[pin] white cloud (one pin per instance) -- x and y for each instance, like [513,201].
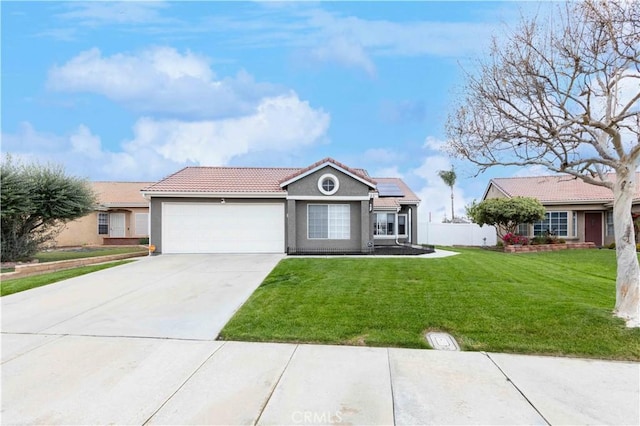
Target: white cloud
[434,144]
[382,37]
[536,170]
[90,13]
[159,147]
[343,51]
[160,80]
[279,124]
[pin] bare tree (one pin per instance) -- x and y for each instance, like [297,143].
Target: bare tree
[449,178]
[564,93]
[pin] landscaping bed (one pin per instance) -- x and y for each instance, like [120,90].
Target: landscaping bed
[552,303]
[52,260]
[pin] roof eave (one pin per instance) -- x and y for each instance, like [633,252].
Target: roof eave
[186,194]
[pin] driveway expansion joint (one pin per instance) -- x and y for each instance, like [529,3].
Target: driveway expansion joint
[275,386]
[215,351]
[516,388]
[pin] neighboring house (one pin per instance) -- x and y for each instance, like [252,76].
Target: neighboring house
[327,207]
[576,211]
[120,217]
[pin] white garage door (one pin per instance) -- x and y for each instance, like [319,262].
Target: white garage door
[222,228]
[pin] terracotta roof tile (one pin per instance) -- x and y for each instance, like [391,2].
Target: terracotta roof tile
[386,202]
[120,193]
[556,188]
[230,180]
[223,180]
[409,195]
[361,173]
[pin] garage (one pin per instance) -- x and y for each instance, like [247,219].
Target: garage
[222,228]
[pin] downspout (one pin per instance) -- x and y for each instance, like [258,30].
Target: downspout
[409,229]
[397,242]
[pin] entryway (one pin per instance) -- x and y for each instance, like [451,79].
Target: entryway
[593,228]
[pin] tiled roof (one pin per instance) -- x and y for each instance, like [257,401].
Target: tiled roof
[409,195]
[557,188]
[386,203]
[224,180]
[120,193]
[361,173]
[389,202]
[256,180]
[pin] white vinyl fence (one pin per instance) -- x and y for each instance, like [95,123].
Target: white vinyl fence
[456,234]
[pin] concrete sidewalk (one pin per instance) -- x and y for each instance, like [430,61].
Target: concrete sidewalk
[64,379]
[136,345]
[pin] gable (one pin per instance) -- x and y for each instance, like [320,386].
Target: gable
[348,186]
[358,174]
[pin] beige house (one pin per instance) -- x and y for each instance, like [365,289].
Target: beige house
[576,211]
[121,217]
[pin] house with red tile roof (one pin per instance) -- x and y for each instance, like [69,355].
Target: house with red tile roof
[120,217]
[327,207]
[576,211]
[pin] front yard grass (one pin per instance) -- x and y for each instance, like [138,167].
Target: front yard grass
[552,303]
[16,285]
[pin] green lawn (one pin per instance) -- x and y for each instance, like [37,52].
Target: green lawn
[554,303]
[15,285]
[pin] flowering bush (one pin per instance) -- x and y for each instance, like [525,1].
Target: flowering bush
[512,238]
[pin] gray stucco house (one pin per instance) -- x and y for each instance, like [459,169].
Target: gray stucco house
[327,207]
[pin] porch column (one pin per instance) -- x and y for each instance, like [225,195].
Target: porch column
[290,237]
[366,231]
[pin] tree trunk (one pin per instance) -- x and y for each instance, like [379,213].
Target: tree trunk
[452,215]
[628,271]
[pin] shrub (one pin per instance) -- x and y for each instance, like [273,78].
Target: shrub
[612,246]
[511,238]
[538,240]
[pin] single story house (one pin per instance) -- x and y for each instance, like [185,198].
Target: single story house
[327,207]
[120,217]
[576,211]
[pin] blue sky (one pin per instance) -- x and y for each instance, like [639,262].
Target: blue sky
[138,90]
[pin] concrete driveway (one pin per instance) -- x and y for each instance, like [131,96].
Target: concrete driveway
[136,345]
[168,296]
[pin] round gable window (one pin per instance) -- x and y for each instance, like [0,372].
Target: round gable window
[328,184]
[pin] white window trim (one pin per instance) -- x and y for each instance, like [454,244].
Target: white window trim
[568,222]
[328,224]
[387,236]
[98,225]
[335,180]
[609,214]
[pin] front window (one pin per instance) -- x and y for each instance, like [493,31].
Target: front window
[609,216]
[384,224]
[103,223]
[554,223]
[523,229]
[329,221]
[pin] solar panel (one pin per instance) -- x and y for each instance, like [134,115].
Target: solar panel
[389,190]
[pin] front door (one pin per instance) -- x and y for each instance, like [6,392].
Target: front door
[593,228]
[116,225]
